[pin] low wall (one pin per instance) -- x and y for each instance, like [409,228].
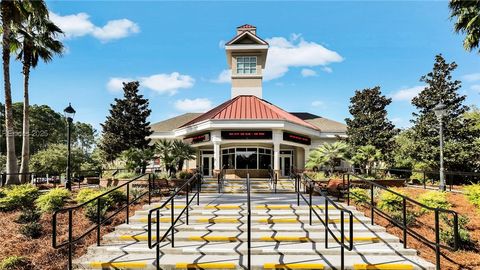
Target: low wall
[383,182]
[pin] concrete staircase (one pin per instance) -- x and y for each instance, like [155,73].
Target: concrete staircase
[257,185]
[281,239]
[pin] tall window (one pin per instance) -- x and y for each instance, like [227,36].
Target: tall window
[246,65]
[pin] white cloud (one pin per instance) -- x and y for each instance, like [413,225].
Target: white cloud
[193,105]
[223,77]
[306,72]
[407,94]
[160,83]
[318,103]
[472,77]
[327,69]
[78,25]
[475,87]
[221,44]
[294,52]
[167,83]
[116,84]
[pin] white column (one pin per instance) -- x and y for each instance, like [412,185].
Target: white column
[276,156]
[216,139]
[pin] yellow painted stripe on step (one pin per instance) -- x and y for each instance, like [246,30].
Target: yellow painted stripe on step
[222,207]
[135,237]
[383,266]
[164,219]
[118,264]
[364,239]
[293,266]
[285,238]
[218,220]
[205,265]
[213,238]
[278,220]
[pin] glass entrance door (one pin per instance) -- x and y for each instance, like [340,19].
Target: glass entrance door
[285,165]
[207,166]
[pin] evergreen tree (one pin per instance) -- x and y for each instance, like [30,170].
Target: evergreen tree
[369,124]
[458,132]
[127,126]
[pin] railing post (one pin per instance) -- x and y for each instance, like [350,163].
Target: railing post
[327,222]
[99,221]
[455,230]
[424,181]
[158,240]
[128,203]
[404,212]
[249,221]
[150,176]
[70,238]
[186,201]
[372,208]
[437,241]
[172,218]
[199,187]
[310,204]
[298,190]
[342,237]
[348,189]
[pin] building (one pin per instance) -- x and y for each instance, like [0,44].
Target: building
[248,132]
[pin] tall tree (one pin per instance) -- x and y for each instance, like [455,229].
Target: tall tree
[37,40]
[127,126]
[13,13]
[369,124]
[467,15]
[458,132]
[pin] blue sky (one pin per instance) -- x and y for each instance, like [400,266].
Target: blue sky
[324,51]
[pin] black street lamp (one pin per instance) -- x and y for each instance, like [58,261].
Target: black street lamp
[440,111]
[69,114]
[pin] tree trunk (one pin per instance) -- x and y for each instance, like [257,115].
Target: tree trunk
[24,178]
[12,168]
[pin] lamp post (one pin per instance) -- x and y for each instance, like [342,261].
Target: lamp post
[69,114]
[440,111]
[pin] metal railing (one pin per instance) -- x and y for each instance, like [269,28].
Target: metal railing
[195,180]
[249,225]
[309,185]
[99,200]
[437,245]
[273,179]
[221,179]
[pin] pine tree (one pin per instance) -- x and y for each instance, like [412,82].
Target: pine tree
[369,124]
[126,127]
[458,133]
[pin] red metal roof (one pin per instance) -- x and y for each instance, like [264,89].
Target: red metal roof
[249,108]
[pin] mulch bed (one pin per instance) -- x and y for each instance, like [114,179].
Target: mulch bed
[39,251]
[424,225]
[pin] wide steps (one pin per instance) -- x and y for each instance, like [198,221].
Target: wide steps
[188,261]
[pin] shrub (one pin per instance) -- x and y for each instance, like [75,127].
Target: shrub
[32,229]
[447,236]
[184,175]
[117,196]
[52,200]
[434,199]
[410,218]
[359,195]
[17,197]
[84,195]
[473,194]
[136,192]
[125,175]
[162,175]
[15,263]
[390,202]
[28,215]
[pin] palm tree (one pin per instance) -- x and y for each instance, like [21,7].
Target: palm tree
[328,155]
[467,15]
[164,150]
[13,13]
[36,40]
[181,152]
[366,156]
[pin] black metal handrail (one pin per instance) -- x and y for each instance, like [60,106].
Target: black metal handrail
[249,224]
[328,201]
[221,179]
[196,180]
[71,241]
[406,230]
[273,179]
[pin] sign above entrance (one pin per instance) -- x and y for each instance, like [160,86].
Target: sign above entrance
[205,137]
[246,135]
[296,138]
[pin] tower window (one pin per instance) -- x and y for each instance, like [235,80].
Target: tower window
[246,65]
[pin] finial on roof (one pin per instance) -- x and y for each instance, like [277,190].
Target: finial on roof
[247,27]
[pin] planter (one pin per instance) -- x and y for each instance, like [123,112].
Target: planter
[93,180]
